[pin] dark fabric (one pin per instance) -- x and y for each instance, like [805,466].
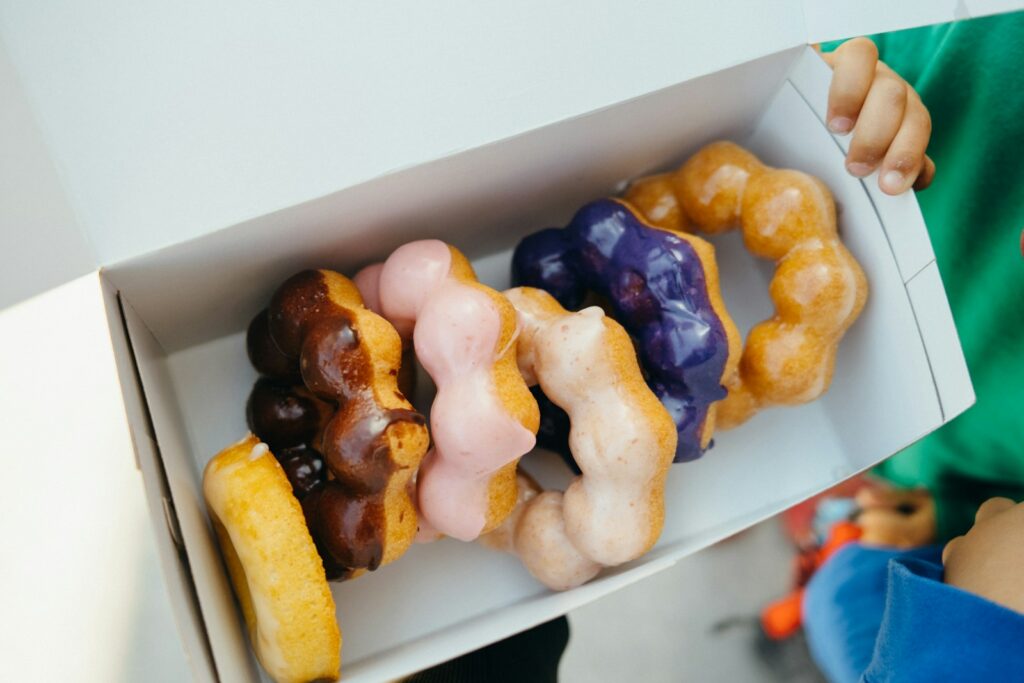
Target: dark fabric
[528,657]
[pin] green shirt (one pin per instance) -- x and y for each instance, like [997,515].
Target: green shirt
[970,75]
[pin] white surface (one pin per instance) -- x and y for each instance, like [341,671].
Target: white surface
[483,200]
[168,121]
[141,355]
[696,621]
[39,235]
[80,582]
[130,125]
[213,592]
[445,599]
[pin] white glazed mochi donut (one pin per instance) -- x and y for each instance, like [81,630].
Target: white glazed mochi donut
[621,437]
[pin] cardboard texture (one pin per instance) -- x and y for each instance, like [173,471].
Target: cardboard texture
[195,207]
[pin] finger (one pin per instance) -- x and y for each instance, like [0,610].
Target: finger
[924,178]
[879,121]
[905,158]
[950,549]
[991,508]
[853,63]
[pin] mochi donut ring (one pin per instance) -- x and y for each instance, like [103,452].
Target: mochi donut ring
[286,416]
[621,436]
[373,443]
[277,574]
[290,420]
[818,289]
[662,286]
[483,418]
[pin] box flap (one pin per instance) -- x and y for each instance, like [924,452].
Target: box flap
[945,355]
[82,586]
[172,120]
[167,122]
[40,238]
[834,19]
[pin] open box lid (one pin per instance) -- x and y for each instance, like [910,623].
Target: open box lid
[129,126]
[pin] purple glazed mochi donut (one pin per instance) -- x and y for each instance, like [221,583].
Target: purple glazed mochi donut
[662,286]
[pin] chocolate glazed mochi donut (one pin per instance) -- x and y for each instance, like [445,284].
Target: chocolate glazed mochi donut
[330,369]
[283,413]
[662,286]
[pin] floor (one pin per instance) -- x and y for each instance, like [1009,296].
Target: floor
[694,622]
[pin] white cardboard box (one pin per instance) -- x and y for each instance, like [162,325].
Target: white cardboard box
[147,350]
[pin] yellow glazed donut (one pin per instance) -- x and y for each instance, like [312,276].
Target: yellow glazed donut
[277,574]
[620,435]
[818,289]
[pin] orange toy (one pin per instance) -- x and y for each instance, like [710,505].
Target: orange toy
[783,618]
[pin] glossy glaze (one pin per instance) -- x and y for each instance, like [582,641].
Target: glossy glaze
[304,466]
[455,325]
[345,514]
[818,288]
[283,415]
[654,282]
[263,352]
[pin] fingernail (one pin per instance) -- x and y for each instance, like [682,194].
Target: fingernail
[892,182]
[840,125]
[858,169]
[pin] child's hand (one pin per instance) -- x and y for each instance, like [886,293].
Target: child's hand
[890,124]
[895,518]
[989,560]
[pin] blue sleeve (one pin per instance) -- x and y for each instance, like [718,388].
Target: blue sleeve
[932,631]
[843,608]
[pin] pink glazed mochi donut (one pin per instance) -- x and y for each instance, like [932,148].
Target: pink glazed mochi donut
[483,418]
[621,436]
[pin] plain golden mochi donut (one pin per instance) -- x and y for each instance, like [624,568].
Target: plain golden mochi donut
[277,574]
[818,288]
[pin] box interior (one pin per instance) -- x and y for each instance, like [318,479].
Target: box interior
[188,305]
